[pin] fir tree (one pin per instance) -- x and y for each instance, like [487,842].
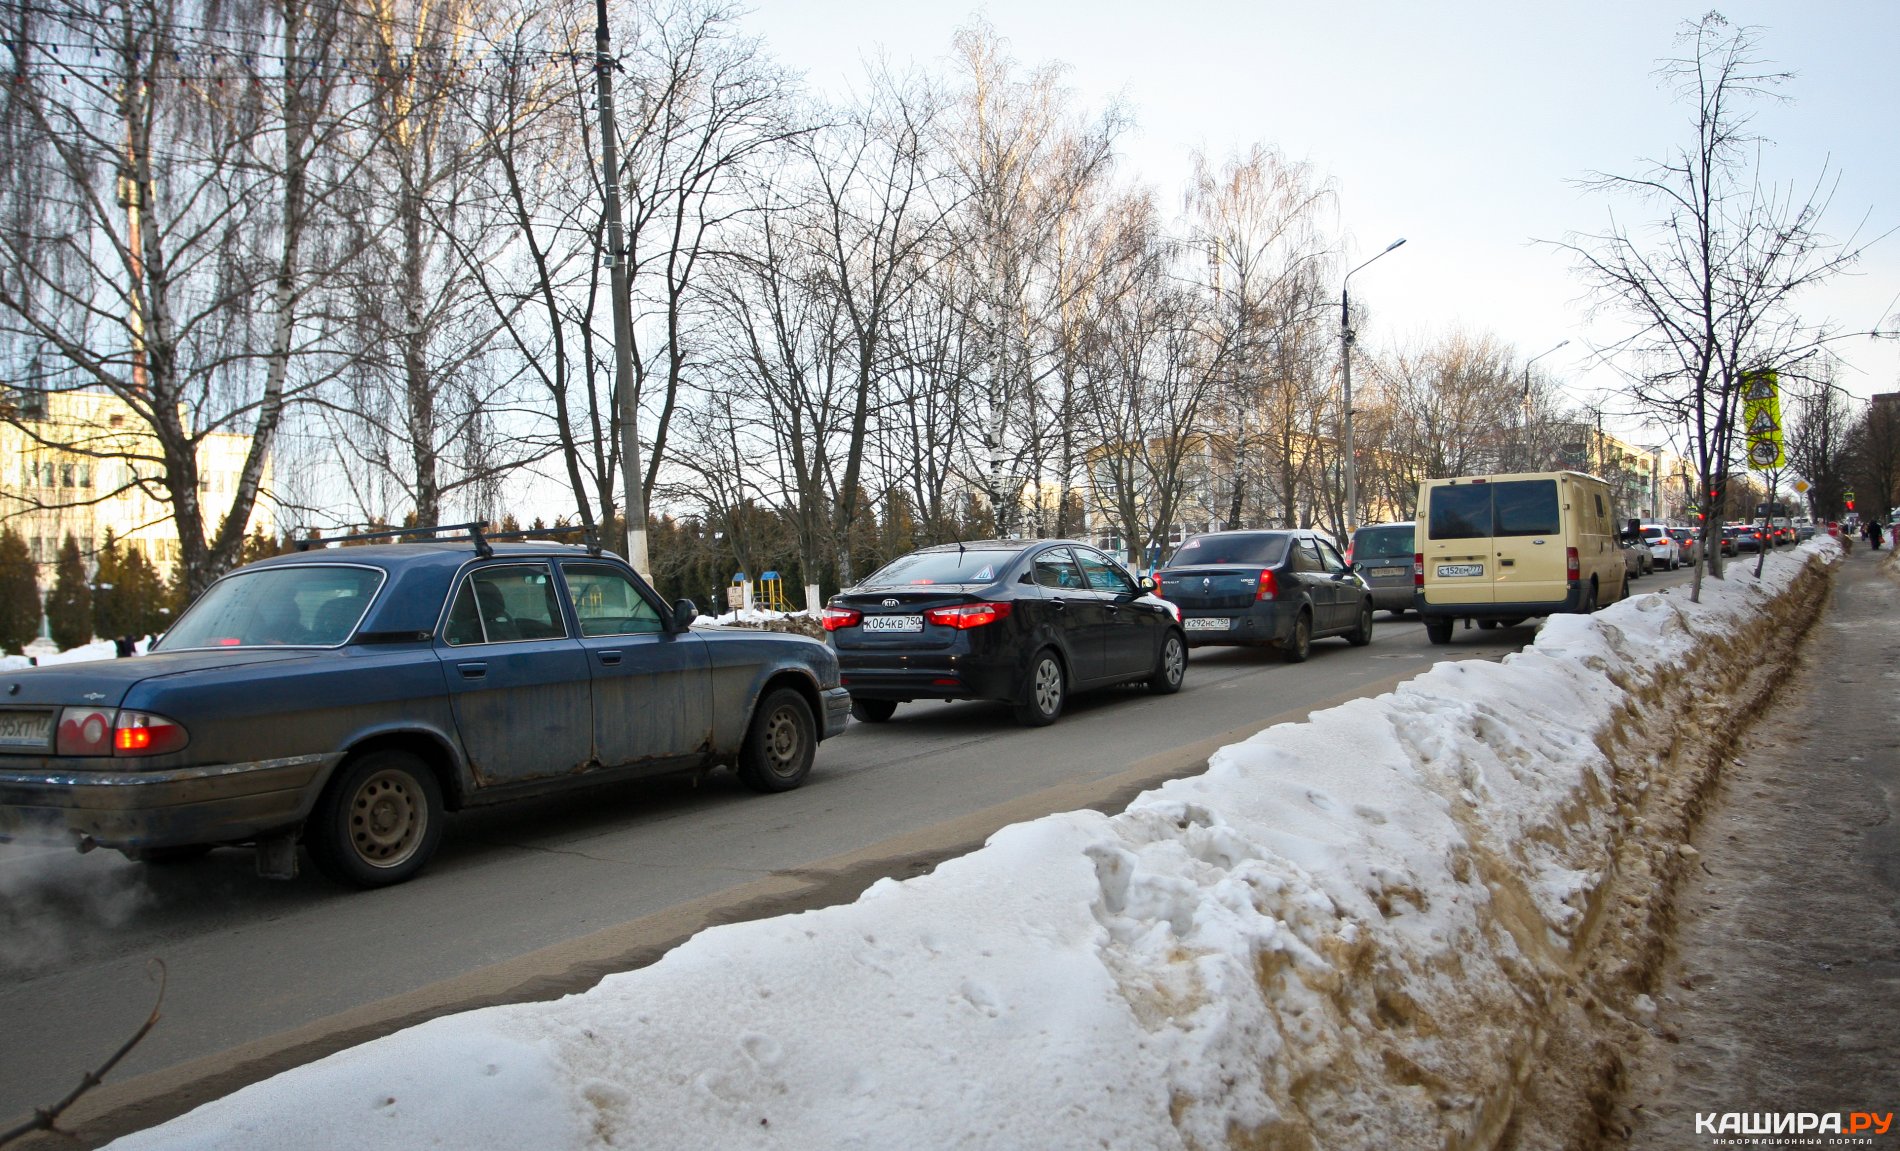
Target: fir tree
[19,594]
[69,604]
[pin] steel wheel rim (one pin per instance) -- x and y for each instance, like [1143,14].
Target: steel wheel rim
[1174,660]
[1302,633]
[388,819]
[784,742]
[1048,687]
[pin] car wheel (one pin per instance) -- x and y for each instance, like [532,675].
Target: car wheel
[1048,688]
[1362,635]
[1438,631]
[781,743]
[378,821]
[873,710]
[1299,645]
[1589,604]
[1171,668]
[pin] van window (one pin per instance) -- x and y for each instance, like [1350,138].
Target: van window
[1460,511]
[1527,508]
[1384,541]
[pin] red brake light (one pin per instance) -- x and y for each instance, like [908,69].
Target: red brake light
[966,616]
[836,617]
[1269,587]
[1573,566]
[1157,582]
[84,731]
[1418,569]
[142,733]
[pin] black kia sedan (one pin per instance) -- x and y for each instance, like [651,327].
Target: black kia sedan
[1266,588]
[1021,621]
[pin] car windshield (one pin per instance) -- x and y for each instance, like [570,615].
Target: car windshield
[1265,550]
[316,605]
[969,565]
[1386,541]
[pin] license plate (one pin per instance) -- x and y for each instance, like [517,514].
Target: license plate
[1389,571]
[25,728]
[1454,571]
[1192,624]
[893,623]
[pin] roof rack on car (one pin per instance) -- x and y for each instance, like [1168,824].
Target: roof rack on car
[475,534]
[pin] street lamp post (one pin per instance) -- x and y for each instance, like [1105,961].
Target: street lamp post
[1525,428]
[1345,376]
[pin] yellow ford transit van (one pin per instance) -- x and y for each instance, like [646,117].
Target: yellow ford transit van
[1503,549]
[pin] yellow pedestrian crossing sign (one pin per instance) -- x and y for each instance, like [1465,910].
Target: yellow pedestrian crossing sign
[1761,419]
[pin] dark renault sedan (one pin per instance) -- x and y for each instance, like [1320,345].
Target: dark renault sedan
[1021,621]
[1266,588]
[345,698]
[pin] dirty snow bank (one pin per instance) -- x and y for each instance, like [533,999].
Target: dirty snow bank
[1347,933]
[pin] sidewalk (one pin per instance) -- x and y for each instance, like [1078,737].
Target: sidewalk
[1782,989]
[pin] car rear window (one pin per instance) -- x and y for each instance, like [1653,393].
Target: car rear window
[1265,549]
[1460,511]
[1527,508]
[967,566]
[318,605]
[1385,541]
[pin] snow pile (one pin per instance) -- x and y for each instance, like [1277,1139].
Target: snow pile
[47,654]
[1347,933]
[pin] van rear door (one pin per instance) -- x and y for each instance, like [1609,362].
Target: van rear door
[1456,544]
[1528,531]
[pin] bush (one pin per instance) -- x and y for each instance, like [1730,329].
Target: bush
[19,594]
[69,604]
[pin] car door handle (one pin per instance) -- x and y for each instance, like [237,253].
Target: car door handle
[609,658]
[1113,608]
[472,670]
[1060,603]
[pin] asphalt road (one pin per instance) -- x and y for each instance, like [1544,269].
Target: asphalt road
[540,899]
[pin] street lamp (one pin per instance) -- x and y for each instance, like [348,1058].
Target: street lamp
[1345,373]
[1525,430]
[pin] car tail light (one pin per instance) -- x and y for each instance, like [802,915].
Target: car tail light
[836,617]
[966,616]
[1418,569]
[1573,565]
[1349,547]
[142,733]
[84,731]
[1269,587]
[1157,582]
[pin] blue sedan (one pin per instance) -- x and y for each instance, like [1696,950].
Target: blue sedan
[345,698]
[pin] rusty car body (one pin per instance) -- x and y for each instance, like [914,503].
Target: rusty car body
[344,698]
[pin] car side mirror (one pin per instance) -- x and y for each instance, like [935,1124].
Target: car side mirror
[685,611]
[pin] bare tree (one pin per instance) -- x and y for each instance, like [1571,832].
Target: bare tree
[1710,288]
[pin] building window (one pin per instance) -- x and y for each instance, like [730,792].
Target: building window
[65,475]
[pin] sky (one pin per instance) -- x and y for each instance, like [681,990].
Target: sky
[1461,126]
[1334,914]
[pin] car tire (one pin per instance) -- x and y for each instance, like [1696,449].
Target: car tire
[1046,692]
[1438,631]
[1171,666]
[378,821]
[873,710]
[1297,646]
[780,744]
[1589,604]
[1361,635]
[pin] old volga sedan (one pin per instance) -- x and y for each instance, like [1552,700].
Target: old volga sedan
[345,698]
[1022,621]
[1266,588]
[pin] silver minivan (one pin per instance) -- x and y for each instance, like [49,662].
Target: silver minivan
[1382,555]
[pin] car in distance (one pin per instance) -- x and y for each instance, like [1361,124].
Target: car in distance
[1279,588]
[1664,550]
[1749,538]
[347,697]
[1636,561]
[1382,555]
[1689,542]
[1026,622]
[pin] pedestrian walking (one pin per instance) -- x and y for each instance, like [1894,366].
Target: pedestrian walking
[1873,533]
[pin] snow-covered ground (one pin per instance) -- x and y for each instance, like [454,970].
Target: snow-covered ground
[1345,933]
[47,655]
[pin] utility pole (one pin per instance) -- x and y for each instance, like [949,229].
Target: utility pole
[634,503]
[1345,377]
